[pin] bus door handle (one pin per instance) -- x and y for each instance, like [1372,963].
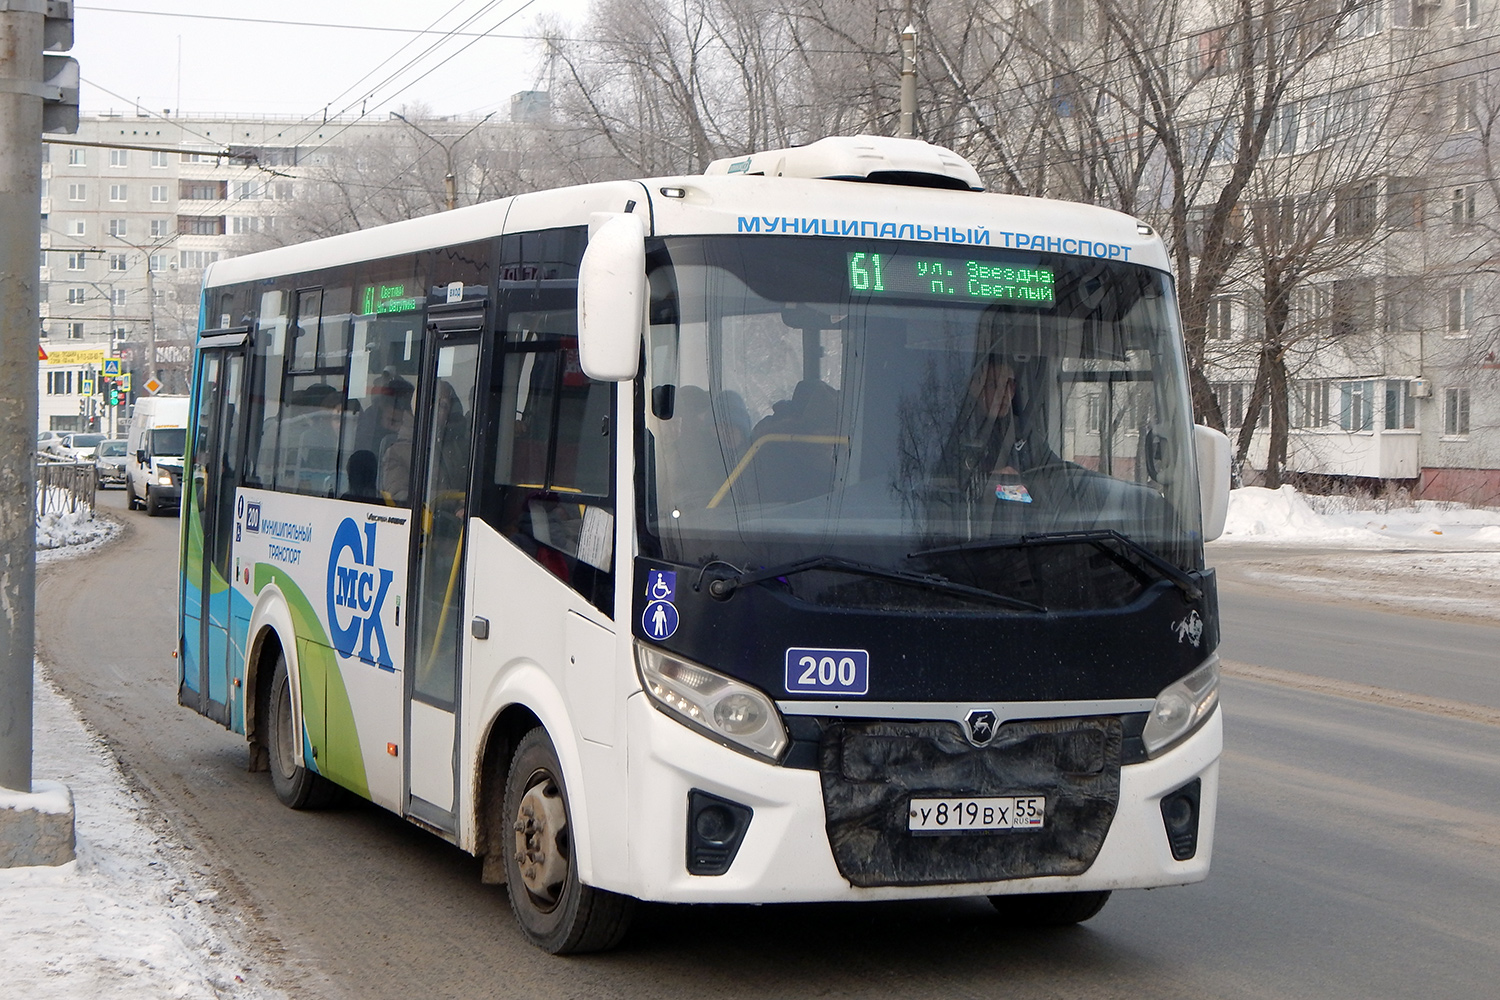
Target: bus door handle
[479,628]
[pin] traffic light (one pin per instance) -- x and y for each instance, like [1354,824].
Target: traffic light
[114,392]
[59,73]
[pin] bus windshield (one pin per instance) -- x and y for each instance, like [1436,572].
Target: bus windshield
[1008,421]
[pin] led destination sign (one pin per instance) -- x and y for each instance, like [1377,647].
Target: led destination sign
[388,298]
[953,278]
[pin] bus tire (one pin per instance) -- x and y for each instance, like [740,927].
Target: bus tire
[556,911]
[1049,909]
[295,785]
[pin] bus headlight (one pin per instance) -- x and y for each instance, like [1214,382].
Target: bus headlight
[727,711]
[1182,707]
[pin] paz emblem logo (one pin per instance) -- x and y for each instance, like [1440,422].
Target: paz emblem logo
[980,726]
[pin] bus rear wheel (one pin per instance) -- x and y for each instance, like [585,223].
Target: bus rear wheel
[556,911]
[295,785]
[1049,909]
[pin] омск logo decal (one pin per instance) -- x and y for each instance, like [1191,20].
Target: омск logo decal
[980,725]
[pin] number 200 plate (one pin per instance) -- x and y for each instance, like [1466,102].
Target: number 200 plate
[977,815]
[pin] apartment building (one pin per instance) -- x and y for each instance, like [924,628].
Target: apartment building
[1373,217]
[135,206]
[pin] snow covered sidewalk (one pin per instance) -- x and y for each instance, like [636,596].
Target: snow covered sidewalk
[122,921]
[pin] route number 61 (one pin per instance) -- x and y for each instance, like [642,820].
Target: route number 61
[827,671]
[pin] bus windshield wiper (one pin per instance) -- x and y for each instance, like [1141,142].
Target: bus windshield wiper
[1099,538]
[723,587]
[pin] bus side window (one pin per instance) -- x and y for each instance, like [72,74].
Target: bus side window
[265,390]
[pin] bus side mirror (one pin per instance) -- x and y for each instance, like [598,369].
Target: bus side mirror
[612,298]
[1213,479]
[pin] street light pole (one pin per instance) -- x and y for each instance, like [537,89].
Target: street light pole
[450,184]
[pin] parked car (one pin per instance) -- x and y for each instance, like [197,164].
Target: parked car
[46,441]
[79,446]
[109,463]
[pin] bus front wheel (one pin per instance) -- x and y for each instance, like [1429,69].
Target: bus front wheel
[557,912]
[1049,909]
[294,784]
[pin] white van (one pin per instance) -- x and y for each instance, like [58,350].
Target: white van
[154,450]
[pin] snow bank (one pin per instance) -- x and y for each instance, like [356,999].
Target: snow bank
[124,920]
[1284,515]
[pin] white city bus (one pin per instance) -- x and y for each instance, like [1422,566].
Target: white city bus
[819,528]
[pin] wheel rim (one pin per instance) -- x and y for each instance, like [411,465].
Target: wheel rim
[543,844]
[282,757]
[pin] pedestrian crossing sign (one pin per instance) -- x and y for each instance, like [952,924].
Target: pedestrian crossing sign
[111,367]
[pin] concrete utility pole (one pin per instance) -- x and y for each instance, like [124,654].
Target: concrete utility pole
[36,820]
[909,82]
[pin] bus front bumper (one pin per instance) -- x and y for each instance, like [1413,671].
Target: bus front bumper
[785,854]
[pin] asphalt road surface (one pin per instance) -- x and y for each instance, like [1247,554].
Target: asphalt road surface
[1358,853]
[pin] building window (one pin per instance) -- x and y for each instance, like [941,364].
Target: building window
[158,193]
[1218,324]
[78,192]
[1404,303]
[79,227]
[196,259]
[1400,409]
[158,158]
[1464,106]
[119,157]
[60,383]
[1363,21]
[1355,208]
[1404,202]
[117,227]
[202,190]
[1461,206]
[1456,411]
[158,227]
[1466,13]
[1309,312]
[1356,406]
[117,296]
[200,225]
[75,331]
[77,261]
[247,189]
[1460,311]
[240,225]
[1310,404]
[117,262]
[281,190]
[75,296]
[158,262]
[77,157]
[1353,306]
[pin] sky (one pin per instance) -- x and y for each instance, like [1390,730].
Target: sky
[291,57]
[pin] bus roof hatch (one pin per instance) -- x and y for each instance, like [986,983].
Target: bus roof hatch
[872,158]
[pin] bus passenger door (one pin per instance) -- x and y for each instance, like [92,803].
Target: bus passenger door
[436,642]
[209,655]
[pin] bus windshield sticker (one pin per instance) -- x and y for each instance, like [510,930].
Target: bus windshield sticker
[661,584]
[827,671]
[659,620]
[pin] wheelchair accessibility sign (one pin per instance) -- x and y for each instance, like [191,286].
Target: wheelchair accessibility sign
[659,620]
